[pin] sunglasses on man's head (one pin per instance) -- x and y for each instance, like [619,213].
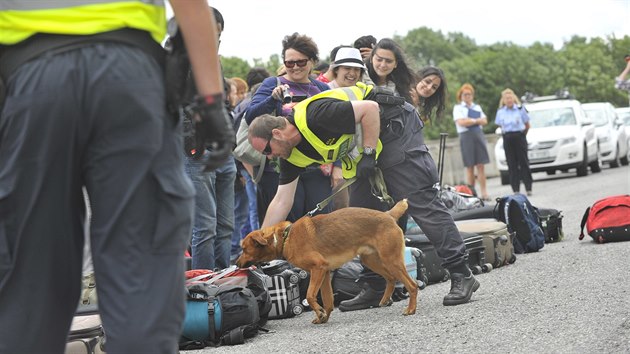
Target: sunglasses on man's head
[267,150]
[291,63]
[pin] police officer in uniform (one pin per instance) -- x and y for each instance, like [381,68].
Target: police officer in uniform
[86,106]
[326,127]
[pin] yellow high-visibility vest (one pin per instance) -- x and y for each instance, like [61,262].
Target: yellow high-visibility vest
[345,148]
[20,19]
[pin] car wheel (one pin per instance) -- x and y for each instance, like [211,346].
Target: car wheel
[596,166]
[614,163]
[505,178]
[582,169]
[624,160]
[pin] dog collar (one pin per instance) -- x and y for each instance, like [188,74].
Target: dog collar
[285,236]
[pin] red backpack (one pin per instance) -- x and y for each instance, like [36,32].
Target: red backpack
[608,219]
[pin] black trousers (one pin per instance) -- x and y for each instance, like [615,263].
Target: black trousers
[515,146]
[92,116]
[415,178]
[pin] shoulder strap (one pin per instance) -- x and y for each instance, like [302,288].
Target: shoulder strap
[583,222]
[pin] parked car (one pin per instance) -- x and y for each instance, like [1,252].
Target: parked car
[623,114]
[613,143]
[561,137]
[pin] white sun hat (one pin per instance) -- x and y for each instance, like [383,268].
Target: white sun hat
[348,57]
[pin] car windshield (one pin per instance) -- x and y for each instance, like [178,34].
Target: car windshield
[552,117]
[598,116]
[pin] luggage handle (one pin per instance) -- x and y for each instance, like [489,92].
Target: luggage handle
[584,217]
[441,154]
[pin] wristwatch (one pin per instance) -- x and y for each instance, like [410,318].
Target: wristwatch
[368,150]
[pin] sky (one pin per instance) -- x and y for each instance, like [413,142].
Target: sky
[255,28]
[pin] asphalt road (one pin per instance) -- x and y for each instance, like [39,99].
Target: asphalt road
[570,297]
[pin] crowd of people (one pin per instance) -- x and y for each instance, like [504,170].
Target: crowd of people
[87,108]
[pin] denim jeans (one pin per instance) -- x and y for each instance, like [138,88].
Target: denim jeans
[250,187]
[214,214]
[245,212]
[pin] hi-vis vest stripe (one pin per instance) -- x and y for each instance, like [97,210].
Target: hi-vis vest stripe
[20,19]
[347,148]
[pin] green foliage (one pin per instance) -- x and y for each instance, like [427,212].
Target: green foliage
[234,67]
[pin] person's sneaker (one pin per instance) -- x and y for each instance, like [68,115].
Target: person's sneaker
[462,289]
[366,299]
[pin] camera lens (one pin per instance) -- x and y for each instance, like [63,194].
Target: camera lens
[286,96]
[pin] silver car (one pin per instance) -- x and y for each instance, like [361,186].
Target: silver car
[613,142]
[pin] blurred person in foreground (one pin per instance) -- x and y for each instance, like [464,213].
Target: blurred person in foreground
[86,106]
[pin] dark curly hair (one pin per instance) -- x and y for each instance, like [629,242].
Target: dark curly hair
[303,44]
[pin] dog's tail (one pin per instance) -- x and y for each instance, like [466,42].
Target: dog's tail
[399,209]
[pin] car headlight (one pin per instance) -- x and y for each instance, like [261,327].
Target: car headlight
[566,141]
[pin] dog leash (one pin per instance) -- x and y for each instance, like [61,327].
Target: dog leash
[321,205]
[379,190]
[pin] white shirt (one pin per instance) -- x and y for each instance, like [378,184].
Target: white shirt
[461,111]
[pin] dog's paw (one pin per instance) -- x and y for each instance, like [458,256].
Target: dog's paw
[389,302]
[321,317]
[408,312]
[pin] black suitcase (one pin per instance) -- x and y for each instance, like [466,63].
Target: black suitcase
[484,212]
[551,223]
[431,271]
[284,288]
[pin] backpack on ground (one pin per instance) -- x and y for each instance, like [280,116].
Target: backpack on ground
[216,315]
[551,224]
[522,218]
[608,219]
[252,278]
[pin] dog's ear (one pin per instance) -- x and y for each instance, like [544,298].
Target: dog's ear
[259,239]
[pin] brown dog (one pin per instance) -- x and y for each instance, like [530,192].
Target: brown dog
[322,243]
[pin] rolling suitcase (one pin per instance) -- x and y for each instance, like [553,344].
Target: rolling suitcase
[86,335]
[431,269]
[497,240]
[476,253]
[284,288]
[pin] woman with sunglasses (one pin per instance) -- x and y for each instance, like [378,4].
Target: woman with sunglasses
[300,54]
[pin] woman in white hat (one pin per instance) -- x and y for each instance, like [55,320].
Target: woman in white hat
[348,68]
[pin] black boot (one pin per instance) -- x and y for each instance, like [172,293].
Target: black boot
[367,298]
[461,289]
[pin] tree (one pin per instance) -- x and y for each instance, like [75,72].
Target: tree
[234,67]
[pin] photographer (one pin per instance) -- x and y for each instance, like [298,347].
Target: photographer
[278,95]
[620,81]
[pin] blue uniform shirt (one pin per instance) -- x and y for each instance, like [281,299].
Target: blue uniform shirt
[512,119]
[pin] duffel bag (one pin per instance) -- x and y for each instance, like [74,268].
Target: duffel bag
[608,219]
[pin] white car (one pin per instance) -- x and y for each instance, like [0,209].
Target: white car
[623,114]
[561,137]
[613,143]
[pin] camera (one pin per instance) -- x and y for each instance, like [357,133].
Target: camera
[286,96]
